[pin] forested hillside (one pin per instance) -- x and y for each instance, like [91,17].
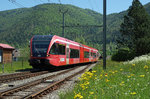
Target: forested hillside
[19,25]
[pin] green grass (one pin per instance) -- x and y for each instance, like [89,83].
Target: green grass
[15,66]
[119,81]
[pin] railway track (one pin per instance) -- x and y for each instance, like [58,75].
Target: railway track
[13,75]
[20,76]
[38,88]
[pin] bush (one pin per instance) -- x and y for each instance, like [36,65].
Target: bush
[123,55]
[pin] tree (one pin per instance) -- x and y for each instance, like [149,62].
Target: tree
[135,30]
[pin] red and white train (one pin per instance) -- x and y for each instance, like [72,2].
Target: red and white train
[52,50]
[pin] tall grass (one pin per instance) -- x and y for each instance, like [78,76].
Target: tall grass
[119,81]
[14,66]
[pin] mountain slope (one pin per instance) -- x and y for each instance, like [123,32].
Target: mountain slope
[19,25]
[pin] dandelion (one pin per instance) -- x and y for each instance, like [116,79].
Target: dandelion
[113,72]
[93,71]
[107,80]
[121,69]
[133,65]
[145,67]
[87,83]
[122,83]
[128,76]
[106,75]
[79,78]
[101,75]
[91,93]
[132,74]
[133,93]
[142,75]
[78,96]
[110,87]
[82,86]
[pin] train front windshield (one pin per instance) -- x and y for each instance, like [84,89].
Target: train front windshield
[40,45]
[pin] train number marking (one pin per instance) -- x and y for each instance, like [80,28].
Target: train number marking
[62,59]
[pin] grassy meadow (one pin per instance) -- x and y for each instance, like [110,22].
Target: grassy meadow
[14,66]
[119,81]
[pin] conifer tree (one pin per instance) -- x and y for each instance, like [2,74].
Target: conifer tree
[135,30]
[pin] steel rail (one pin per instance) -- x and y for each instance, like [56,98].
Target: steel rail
[20,77]
[52,87]
[29,84]
[12,75]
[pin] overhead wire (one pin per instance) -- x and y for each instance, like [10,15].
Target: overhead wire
[90,3]
[16,3]
[96,4]
[59,1]
[41,1]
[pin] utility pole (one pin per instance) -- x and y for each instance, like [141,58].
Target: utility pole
[104,34]
[63,27]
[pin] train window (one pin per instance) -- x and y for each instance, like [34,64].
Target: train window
[86,54]
[94,55]
[57,49]
[61,48]
[74,53]
[54,49]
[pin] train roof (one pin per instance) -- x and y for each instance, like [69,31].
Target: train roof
[42,37]
[81,45]
[49,37]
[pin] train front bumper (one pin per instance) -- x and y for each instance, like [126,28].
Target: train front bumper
[39,62]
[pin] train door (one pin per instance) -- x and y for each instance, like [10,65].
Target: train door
[67,54]
[81,54]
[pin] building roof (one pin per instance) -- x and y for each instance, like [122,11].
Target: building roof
[6,46]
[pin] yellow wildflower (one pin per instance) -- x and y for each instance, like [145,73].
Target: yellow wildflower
[87,83]
[132,74]
[113,72]
[107,80]
[110,87]
[121,69]
[91,93]
[133,93]
[82,86]
[122,83]
[101,75]
[129,76]
[106,75]
[142,75]
[133,65]
[78,96]
[93,71]
[145,67]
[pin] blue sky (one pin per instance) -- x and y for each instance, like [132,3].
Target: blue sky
[113,6]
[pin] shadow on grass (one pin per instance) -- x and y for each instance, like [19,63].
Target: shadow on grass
[24,70]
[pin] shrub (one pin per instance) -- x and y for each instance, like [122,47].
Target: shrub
[123,55]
